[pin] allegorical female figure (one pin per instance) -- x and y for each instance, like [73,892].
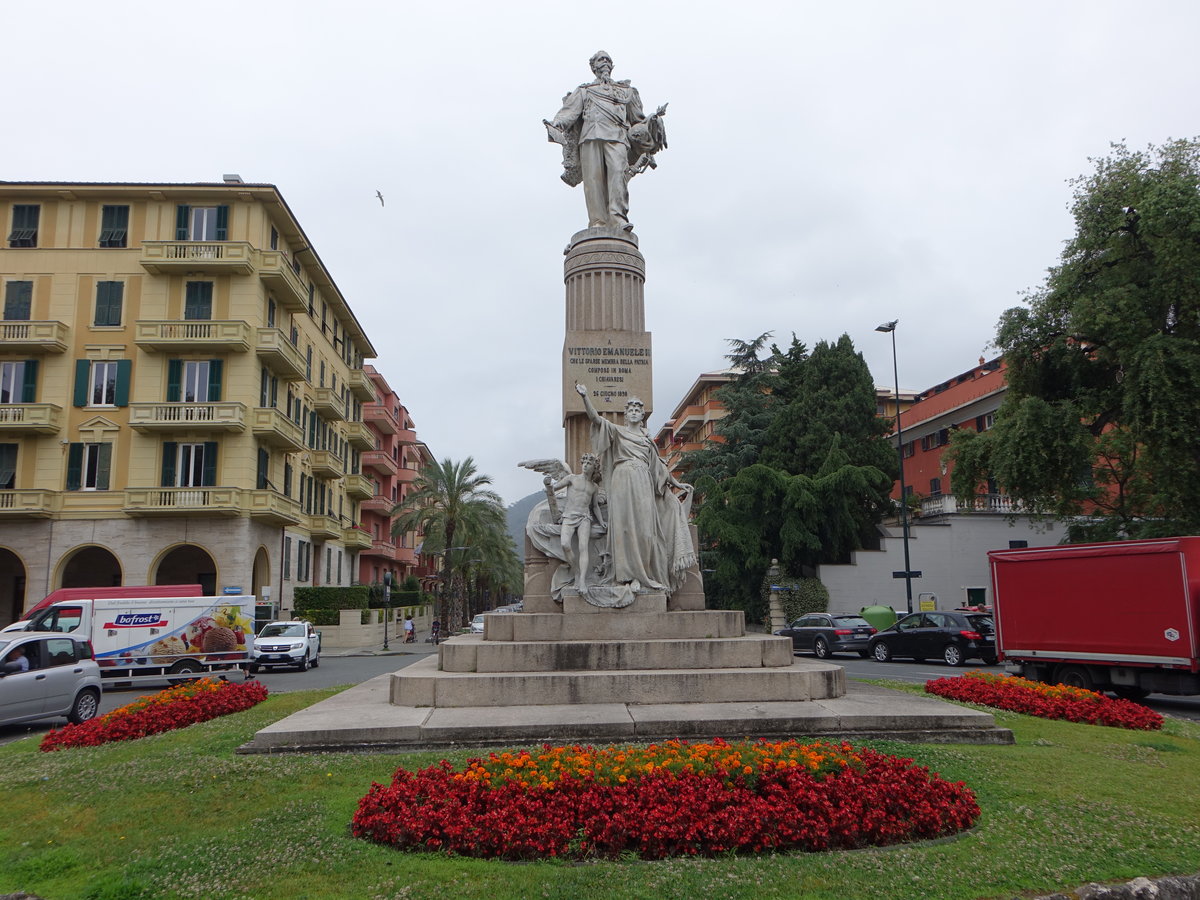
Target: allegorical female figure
[648,538]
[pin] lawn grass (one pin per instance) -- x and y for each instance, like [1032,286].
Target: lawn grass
[180,815]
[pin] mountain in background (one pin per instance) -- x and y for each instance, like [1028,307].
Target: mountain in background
[518,514]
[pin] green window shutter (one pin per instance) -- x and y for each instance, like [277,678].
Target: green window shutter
[18,301]
[264,463]
[210,463]
[29,388]
[109,297]
[124,371]
[222,223]
[74,467]
[170,450]
[83,372]
[174,379]
[214,379]
[197,303]
[181,222]
[104,464]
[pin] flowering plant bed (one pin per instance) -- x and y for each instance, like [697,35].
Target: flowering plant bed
[1049,701]
[669,799]
[176,707]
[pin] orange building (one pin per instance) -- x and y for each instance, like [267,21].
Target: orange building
[388,471]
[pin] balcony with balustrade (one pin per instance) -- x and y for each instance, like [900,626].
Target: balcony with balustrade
[356,539]
[226,416]
[358,487]
[278,354]
[326,464]
[377,503]
[381,548]
[183,501]
[30,418]
[275,271]
[199,257]
[360,386]
[328,405]
[272,507]
[34,337]
[193,336]
[980,504]
[360,436]
[20,504]
[380,419]
[275,429]
[324,527]
[381,461]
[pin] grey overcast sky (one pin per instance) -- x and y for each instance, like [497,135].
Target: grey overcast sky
[831,165]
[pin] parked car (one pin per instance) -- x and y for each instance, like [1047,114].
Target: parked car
[62,678]
[824,634]
[292,643]
[952,635]
[477,624]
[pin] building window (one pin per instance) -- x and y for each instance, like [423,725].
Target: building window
[308,364]
[18,381]
[985,422]
[198,300]
[18,300]
[287,559]
[201,223]
[109,298]
[24,225]
[287,479]
[909,448]
[270,312]
[194,380]
[935,487]
[88,467]
[274,238]
[102,382]
[8,467]
[264,469]
[189,465]
[114,226]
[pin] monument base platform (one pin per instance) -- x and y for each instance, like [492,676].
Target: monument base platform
[362,720]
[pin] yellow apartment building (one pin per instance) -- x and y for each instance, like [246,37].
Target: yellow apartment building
[181,392]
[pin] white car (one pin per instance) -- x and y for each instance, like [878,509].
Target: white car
[477,624]
[62,679]
[292,643]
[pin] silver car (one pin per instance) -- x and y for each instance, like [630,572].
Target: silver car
[44,674]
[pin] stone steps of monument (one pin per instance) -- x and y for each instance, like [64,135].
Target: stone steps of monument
[474,654]
[422,684]
[610,625]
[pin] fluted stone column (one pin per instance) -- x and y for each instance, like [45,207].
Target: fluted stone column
[607,347]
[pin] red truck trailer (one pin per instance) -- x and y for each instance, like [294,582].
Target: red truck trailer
[1121,616]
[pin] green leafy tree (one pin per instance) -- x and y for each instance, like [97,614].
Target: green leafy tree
[450,503]
[749,401]
[1100,423]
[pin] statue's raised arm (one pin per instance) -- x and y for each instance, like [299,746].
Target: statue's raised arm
[606,140]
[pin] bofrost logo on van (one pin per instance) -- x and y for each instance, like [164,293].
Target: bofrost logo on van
[137,620]
[1171,634]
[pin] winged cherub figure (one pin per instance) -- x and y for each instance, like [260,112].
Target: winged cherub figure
[580,509]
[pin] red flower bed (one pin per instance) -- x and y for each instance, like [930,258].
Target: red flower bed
[673,799]
[177,707]
[1049,701]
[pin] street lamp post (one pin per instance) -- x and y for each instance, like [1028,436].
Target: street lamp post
[890,328]
[387,607]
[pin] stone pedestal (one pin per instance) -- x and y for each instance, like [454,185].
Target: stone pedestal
[607,346]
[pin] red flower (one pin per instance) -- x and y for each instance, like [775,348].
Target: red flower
[176,707]
[1048,701]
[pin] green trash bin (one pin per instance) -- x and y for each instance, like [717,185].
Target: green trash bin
[880,617]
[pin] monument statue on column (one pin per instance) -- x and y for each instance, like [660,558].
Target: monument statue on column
[606,140]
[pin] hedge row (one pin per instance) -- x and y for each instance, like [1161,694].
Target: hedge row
[333,598]
[320,616]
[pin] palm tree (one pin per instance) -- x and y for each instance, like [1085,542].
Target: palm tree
[450,503]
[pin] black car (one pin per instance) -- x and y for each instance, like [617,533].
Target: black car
[828,633]
[954,636]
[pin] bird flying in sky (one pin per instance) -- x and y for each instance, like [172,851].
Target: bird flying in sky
[379,194]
